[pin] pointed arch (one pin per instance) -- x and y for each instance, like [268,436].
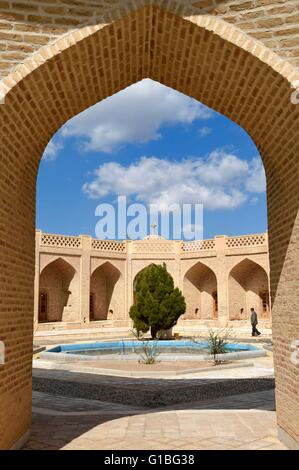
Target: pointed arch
[58,292]
[248,286]
[200,291]
[106,293]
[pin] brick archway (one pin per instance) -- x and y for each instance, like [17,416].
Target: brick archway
[247,285]
[59,281]
[106,293]
[200,56]
[200,291]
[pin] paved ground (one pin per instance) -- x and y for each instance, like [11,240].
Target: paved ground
[236,422]
[243,421]
[253,367]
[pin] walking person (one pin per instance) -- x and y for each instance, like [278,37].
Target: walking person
[254,322]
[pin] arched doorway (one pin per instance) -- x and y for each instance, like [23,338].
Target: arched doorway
[199,55]
[200,291]
[248,287]
[104,296]
[58,294]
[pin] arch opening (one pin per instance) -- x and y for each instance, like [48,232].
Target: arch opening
[248,286]
[104,299]
[58,293]
[200,291]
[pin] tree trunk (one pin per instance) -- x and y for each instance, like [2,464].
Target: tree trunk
[154,332]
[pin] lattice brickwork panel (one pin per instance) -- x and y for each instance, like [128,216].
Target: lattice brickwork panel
[60,241]
[199,245]
[251,240]
[153,247]
[108,245]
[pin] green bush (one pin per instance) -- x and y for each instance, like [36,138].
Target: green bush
[147,350]
[158,304]
[217,342]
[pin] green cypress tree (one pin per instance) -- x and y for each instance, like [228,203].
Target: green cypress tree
[158,304]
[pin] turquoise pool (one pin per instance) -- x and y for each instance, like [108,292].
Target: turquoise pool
[128,347]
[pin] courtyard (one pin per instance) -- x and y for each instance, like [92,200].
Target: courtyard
[183,405]
[239,422]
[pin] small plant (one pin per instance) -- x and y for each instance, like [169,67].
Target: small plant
[217,342]
[148,349]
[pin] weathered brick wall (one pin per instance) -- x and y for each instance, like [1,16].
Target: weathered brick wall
[25,26]
[198,286]
[61,283]
[107,286]
[246,281]
[200,56]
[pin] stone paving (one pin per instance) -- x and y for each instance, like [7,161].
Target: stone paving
[236,422]
[146,392]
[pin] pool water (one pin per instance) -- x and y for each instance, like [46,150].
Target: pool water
[129,347]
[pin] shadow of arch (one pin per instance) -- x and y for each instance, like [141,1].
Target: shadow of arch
[56,290]
[102,289]
[200,292]
[248,285]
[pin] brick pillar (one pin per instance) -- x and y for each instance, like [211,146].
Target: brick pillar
[178,281]
[38,236]
[222,280]
[85,279]
[129,279]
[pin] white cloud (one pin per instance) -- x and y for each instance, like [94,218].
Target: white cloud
[134,115]
[52,150]
[204,131]
[256,182]
[219,181]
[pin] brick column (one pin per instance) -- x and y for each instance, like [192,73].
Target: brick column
[38,236]
[222,281]
[85,279]
[178,281]
[129,279]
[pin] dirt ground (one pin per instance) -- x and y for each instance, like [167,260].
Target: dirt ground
[135,366]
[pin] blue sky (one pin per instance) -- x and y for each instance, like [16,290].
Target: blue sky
[153,145]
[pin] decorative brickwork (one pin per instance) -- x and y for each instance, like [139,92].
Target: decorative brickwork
[240,66]
[250,240]
[106,245]
[95,282]
[25,26]
[199,245]
[60,241]
[154,246]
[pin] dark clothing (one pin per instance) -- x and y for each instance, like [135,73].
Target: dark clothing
[254,322]
[255,331]
[253,318]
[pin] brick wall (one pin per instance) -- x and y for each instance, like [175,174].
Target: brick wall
[60,282]
[247,281]
[25,26]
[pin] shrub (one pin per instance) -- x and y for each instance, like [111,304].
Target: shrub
[158,304]
[147,350]
[217,342]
